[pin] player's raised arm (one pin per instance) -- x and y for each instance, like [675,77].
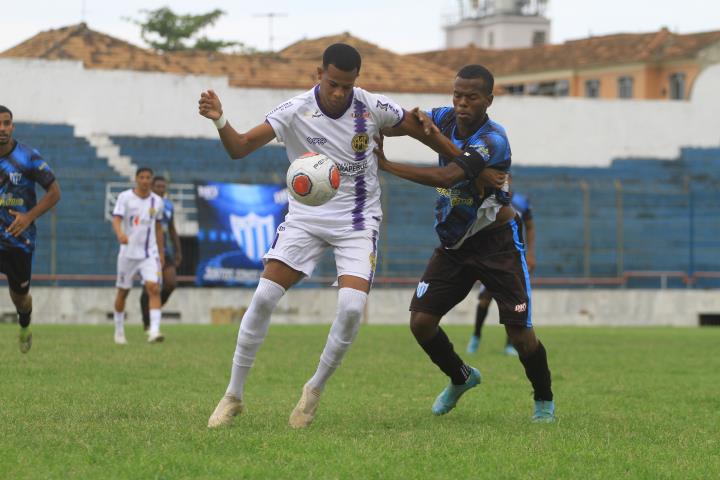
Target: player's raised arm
[238,145]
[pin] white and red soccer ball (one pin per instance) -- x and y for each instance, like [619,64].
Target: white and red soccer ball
[313,179]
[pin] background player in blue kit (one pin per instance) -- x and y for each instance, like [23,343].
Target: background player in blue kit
[173,252]
[481,240]
[21,167]
[522,206]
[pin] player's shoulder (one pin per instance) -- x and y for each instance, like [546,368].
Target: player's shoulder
[291,106]
[157,199]
[442,114]
[375,101]
[126,193]
[25,153]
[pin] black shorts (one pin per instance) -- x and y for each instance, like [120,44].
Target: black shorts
[496,258]
[17,266]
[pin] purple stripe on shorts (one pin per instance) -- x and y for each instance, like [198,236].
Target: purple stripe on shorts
[374,256]
[358,215]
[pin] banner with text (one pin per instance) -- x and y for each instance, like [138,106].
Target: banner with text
[236,226]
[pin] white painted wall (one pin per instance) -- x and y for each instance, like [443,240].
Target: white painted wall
[386,306]
[542,131]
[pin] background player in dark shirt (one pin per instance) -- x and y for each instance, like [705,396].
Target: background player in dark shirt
[521,204]
[173,252]
[20,168]
[480,240]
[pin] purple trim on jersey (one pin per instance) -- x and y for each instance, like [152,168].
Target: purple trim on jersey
[147,237]
[328,114]
[401,119]
[360,185]
[374,255]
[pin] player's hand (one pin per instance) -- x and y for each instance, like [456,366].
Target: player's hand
[428,125]
[21,222]
[209,105]
[178,259]
[123,239]
[530,259]
[492,177]
[379,153]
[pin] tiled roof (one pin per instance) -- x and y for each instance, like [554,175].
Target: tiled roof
[590,52]
[293,67]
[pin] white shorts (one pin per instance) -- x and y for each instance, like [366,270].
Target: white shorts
[300,246]
[149,268]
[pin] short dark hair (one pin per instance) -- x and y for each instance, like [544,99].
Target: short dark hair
[343,56]
[478,71]
[4,109]
[158,178]
[143,169]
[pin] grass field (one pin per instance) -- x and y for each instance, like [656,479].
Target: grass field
[632,403]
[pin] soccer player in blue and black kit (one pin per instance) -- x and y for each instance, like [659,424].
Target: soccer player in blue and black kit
[20,168]
[173,252]
[521,204]
[481,240]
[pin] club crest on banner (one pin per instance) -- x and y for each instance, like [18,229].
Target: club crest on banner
[253,233]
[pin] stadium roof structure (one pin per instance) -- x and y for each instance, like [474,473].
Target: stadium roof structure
[592,52]
[292,68]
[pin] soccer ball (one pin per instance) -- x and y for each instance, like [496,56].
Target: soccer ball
[313,179]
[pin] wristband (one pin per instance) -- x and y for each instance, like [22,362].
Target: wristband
[220,122]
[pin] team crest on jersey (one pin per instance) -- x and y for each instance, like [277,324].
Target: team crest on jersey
[152,212]
[360,142]
[15,177]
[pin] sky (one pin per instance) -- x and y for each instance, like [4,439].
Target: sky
[402,26]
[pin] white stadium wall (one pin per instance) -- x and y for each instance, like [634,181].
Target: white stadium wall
[597,307]
[542,131]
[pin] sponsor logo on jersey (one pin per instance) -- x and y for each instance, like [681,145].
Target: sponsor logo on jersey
[280,108]
[421,289]
[482,149]
[7,200]
[316,114]
[316,140]
[349,169]
[521,308]
[388,107]
[15,177]
[373,261]
[360,114]
[43,166]
[457,197]
[360,142]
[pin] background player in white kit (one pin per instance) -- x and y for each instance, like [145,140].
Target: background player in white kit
[339,120]
[136,223]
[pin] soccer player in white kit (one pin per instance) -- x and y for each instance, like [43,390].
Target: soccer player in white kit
[339,120]
[136,223]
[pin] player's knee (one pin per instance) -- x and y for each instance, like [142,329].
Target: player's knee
[523,339]
[423,326]
[152,288]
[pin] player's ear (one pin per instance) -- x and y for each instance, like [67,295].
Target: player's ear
[490,99]
[319,73]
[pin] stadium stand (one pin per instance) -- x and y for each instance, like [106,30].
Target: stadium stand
[577,209]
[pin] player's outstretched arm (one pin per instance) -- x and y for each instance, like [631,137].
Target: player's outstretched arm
[444,177]
[418,125]
[238,145]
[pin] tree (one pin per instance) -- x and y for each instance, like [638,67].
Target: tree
[168,31]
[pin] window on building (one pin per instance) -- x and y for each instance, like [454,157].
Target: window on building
[625,87]
[592,88]
[562,88]
[538,38]
[555,88]
[517,89]
[677,86]
[491,39]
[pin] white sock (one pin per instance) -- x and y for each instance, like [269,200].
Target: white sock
[253,328]
[351,304]
[155,316]
[119,318]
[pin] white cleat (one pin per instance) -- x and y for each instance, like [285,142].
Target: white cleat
[228,408]
[156,337]
[120,338]
[304,412]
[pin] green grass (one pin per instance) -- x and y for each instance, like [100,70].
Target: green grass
[632,403]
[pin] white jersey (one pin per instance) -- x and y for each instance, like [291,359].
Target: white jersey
[303,126]
[139,216]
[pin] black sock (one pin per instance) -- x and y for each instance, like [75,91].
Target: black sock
[537,371]
[441,352]
[480,315]
[145,309]
[164,295]
[24,319]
